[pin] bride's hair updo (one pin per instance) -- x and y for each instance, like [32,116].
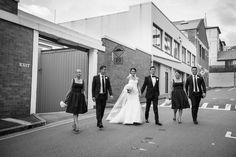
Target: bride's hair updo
[133,69]
[129,76]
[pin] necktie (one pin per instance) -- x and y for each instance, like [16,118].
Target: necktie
[195,82]
[103,85]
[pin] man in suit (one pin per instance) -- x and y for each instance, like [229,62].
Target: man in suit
[196,89]
[100,88]
[152,93]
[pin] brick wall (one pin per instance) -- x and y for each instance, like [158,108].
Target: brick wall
[16,47]
[9,6]
[118,73]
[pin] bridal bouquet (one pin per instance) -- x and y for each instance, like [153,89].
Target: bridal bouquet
[129,88]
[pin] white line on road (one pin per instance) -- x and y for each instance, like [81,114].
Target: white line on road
[232,99]
[217,90]
[62,122]
[228,107]
[204,105]
[229,135]
[231,89]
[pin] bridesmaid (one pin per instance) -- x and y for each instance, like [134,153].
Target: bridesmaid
[76,103]
[178,97]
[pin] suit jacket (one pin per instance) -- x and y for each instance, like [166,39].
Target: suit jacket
[152,91]
[96,86]
[200,83]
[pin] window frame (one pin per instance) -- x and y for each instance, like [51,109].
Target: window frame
[155,27]
[176,43]
[188,54]
[184,49]
[170,44]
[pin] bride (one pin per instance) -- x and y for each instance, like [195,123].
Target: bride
[127,109]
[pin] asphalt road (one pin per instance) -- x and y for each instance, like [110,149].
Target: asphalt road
[208,139]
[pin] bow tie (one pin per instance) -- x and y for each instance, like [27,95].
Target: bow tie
[153,76]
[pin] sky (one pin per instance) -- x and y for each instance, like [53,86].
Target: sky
[217,12]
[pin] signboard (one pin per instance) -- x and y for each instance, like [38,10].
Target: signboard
[117,55]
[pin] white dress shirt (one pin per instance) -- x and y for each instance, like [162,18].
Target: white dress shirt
[194,83]
[101,91]
[154,79]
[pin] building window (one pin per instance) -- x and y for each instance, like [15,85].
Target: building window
[203,53]
[157,36]
[176,50]
[168,44]
[200,50]
[189,58]
[183,55]
[193,60]
[166,82]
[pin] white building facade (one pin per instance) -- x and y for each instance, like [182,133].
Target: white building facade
[146,28]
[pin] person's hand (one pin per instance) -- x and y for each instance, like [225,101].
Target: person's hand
[203,95]
[111,96]
[93,99]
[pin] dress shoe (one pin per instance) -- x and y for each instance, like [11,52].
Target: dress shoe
[100,126]
[147,121]
[195,122]
[158,123]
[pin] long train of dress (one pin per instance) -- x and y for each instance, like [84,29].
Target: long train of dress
[127,109]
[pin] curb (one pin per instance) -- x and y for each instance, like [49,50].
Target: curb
[11,130]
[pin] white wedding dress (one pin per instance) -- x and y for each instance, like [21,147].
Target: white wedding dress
[127,109]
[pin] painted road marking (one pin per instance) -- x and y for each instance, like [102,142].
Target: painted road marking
[231,89]
[229,135]
[165,105]
[204,105]
[228,107]
[51,125]
[217,90]
[213,98]
[232,99]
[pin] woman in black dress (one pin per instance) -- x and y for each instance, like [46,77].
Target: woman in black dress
[75,99]
[178,96]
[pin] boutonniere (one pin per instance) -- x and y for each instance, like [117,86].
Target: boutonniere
[106,77]
[157,79]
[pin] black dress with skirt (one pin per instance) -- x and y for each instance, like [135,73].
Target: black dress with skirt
[75,100]
[178,96]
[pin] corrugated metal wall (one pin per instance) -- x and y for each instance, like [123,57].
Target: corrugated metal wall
[56,70]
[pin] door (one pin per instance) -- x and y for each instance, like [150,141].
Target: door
[57,68]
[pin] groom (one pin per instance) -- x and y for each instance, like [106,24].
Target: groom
[196,90]
[152,93]
[100,88]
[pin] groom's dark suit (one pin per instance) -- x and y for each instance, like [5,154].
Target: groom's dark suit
[152,94]
[195,95]
[100,95]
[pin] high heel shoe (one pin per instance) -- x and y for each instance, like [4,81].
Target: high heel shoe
[174,119]
[76,130]
[179,121]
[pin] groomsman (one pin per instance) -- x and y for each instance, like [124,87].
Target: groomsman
[152,93]
[196,89]
[100,88]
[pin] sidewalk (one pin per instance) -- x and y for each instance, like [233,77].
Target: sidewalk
[12,125]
